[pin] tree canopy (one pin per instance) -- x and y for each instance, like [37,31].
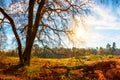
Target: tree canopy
[43,20]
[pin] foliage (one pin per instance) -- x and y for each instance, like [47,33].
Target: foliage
[96,57]
[113,47]
[110,56]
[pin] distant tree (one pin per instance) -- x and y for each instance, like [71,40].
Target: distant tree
[12,53]
[108,49]
[101,51]
[47,52]
[89,51]
[82,51]
[113,47]
[108,46]
[36,50]
[94,51]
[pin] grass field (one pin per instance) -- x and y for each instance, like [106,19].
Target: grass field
[92,67]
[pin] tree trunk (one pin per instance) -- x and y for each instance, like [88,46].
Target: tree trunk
[32,29]
[27,52]
[20,56]
[26,56]
[29,40]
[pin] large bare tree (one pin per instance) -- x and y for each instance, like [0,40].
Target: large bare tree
[42,20]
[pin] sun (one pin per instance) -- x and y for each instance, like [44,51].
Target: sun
[79,32]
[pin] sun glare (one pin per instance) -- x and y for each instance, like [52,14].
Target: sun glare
[79,32]
[79,36]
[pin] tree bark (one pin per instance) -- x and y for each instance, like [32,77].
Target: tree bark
[29,41]
[32,29]
[27,53]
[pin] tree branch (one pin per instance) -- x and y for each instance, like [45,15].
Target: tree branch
[14,31]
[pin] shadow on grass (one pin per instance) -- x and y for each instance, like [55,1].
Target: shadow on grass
[14,70]
[2,66]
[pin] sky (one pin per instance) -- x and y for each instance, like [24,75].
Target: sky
[102,26]
[97,29]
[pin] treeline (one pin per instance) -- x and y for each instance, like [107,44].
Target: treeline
[61,52]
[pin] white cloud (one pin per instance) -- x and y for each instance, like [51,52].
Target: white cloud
[118,10]
[103,18]
[84,36]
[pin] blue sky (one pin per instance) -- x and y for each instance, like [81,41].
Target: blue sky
[99,28]
[106,23]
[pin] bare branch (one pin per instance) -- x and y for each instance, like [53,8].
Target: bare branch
[14,30]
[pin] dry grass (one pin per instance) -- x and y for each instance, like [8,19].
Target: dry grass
[98,68]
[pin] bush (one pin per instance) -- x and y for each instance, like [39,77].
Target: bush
[110,56]
[95,57]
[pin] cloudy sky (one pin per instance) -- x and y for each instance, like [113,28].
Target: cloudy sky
[102,26]
[97,29]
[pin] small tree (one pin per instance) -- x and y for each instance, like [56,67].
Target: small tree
[108,49]
[113,47]
[101,51]
[35,50]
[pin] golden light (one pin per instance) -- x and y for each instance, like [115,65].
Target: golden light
[79,36]
[79,32]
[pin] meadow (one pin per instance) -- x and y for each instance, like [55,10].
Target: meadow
[90,67]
